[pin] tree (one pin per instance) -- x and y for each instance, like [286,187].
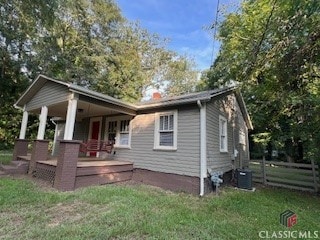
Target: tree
[17,33]
[84,42]
[272,48]
[136,58]
[182,76]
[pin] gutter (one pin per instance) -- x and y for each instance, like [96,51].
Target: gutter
[171,103]
[55,136]
[203,144]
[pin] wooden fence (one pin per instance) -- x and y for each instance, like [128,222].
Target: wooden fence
[297,176]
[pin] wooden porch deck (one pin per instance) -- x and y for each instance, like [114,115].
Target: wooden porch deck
[90,170]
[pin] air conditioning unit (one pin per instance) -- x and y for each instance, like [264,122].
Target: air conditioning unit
[244,179]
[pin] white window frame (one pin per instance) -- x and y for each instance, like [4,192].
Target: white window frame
[95,119]
[242,137]
[157,145]
[124,132]
[117,138]
[223,132]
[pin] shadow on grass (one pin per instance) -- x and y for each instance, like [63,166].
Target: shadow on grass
[144,212]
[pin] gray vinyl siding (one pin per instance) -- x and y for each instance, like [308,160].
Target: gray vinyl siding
[50,94]
[58,136]
[81,130]
[216,160]
[240,125]
[184,161]
[228,107]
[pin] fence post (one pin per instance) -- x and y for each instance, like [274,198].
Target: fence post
[263,170]
[314,176]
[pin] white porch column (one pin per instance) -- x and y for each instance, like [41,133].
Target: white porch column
[24,124]
[71,117]
[42,123]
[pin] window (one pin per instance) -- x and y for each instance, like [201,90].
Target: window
[112,131]
[124,132]
[165,136]
[242,137]
[118,130]
[223,134]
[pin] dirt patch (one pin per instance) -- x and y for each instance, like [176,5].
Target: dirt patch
[63,212]
[13,217]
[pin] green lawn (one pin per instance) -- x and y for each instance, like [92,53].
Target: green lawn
[5,157]
[29,211]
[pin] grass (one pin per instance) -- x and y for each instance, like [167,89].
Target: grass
[143,212]
[5,156]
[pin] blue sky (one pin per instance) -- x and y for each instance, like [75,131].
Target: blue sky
[182,21]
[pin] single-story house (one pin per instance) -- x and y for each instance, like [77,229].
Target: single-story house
[172,142]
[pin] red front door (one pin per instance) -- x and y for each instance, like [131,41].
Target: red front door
[95,131]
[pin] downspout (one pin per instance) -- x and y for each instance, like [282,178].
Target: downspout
[203,144]
[55,137]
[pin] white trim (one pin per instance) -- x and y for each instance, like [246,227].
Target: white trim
[42,123]
[95,119]
[71,117]
[156,145]
[203,145]
[225,129]
[55,138]
[24,124]
[118,119]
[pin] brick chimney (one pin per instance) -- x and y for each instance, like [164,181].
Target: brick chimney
[156,95]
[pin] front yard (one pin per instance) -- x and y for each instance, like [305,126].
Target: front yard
[124,211]
[5,156]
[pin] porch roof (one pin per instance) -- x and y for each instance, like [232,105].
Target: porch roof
[99,100]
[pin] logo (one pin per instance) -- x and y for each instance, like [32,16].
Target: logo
[288,218]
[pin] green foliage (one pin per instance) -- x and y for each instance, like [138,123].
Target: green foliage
[19,24]
[182,77]
[84,42]
[271,47]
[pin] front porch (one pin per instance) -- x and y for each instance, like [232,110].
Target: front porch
[79,115]
[70,171]
[89,170]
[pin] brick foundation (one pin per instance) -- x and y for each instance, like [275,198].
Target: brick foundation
[39,153]
[67,165]
[173,182]
[20,148]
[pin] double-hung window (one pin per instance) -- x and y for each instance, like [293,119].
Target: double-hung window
[112,130]
[166,130]
[118,129]
[124,132]
[223,134]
